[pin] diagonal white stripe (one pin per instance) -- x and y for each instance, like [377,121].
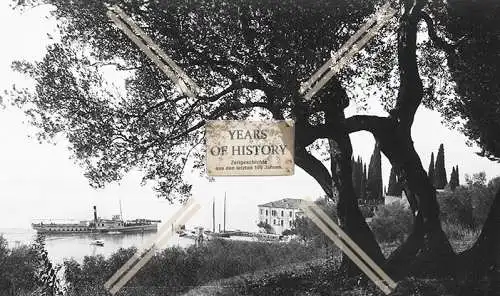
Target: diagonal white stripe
[344,236]
[150,253]
[351,47]
[162,233]
[335,68]
[176,79]
[139,32]
[349,247]
[371,275]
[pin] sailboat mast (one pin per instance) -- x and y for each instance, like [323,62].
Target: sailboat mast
[213,215]
[224,212]
[121,213]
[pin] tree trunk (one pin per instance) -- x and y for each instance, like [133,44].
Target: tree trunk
[483,259]
[350,217]
[427,250]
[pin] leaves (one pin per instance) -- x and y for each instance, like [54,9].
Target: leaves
[119,111]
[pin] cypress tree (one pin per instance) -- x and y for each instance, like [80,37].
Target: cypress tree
[391,188]
[359,176]
[440,171]
[363,182]
[453,179]
[457,176]
[353,175]
[430,171]
[356,176]
[395,187]
[374,184]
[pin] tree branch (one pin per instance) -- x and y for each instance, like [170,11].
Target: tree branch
[370,123]
[234,86]
[315,168]
[410,85]
[439,42]
[218,112]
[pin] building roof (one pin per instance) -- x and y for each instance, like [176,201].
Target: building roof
[287,203]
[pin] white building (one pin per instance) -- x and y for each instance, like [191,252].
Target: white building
[280,214]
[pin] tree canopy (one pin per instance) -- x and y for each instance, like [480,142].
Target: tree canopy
[250,58]
[474,67]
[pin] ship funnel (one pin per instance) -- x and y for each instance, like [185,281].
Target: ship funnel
[95,214]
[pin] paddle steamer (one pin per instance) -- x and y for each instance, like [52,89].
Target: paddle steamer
[114,225]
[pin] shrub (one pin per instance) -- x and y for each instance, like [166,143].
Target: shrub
[391,222]
[266,226]
[456,206]
[175,269]
[468,206]
[306,229]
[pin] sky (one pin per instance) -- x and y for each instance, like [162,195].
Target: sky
[40,181]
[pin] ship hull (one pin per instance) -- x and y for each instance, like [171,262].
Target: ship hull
[76,229]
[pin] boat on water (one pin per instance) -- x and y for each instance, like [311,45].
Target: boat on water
[108,226]
[97,242]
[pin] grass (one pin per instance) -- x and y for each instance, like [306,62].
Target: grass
[461,237]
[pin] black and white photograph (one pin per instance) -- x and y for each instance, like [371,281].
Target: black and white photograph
[250,147]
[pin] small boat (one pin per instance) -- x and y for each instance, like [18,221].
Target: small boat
[97,242]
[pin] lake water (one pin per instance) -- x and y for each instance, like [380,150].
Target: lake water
[79,245]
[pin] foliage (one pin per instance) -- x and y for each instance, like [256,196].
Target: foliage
[374,187]
[469,205]
[474,67]
[175,269]
[308,231]
[392,222]
[456,207]
[18,272]
[250,61]
[46,273]
[266,226]
[440,179]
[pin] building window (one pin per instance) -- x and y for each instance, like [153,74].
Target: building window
[266,213]
[282,213]
[290,213]
[261,211]
[281,222]
[290,223]
[266,221]
[274,221]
